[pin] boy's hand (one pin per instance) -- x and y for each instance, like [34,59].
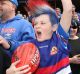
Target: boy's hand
[20,70]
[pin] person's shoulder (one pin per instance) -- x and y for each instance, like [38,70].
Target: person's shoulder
[19,18]
[24,21]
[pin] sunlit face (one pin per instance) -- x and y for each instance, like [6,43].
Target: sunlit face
[58,11]
[5,7]
[43,27]
[73,31]
[75,16]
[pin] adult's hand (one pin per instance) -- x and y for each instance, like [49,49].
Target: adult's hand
[75,59]
[4,43]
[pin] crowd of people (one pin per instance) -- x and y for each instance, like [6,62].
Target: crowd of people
[55,33]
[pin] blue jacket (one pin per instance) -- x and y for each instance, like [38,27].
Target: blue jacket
[17,31]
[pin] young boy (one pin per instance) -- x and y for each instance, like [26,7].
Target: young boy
[51,38]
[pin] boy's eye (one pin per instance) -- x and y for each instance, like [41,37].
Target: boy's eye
[42,23]
[35,23]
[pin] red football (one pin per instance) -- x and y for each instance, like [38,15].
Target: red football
[28,53]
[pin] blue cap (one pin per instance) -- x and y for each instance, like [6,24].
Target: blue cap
[14,2]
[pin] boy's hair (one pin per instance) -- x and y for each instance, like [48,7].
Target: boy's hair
[38,8]
[49,11]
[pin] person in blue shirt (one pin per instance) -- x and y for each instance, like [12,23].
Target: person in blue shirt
[51,39]
[14,30]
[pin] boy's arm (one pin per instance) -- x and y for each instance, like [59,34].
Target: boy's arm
[67,15]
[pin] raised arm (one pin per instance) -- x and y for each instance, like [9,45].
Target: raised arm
[66,15]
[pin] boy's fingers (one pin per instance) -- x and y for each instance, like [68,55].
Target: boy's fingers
[25,71]
[15,63]
[23,67]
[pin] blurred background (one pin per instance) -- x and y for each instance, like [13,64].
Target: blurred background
[53,3]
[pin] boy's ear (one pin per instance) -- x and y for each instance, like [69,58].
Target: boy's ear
[54,27]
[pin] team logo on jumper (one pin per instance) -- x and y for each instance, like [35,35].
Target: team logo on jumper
[54,50]
[8,30]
